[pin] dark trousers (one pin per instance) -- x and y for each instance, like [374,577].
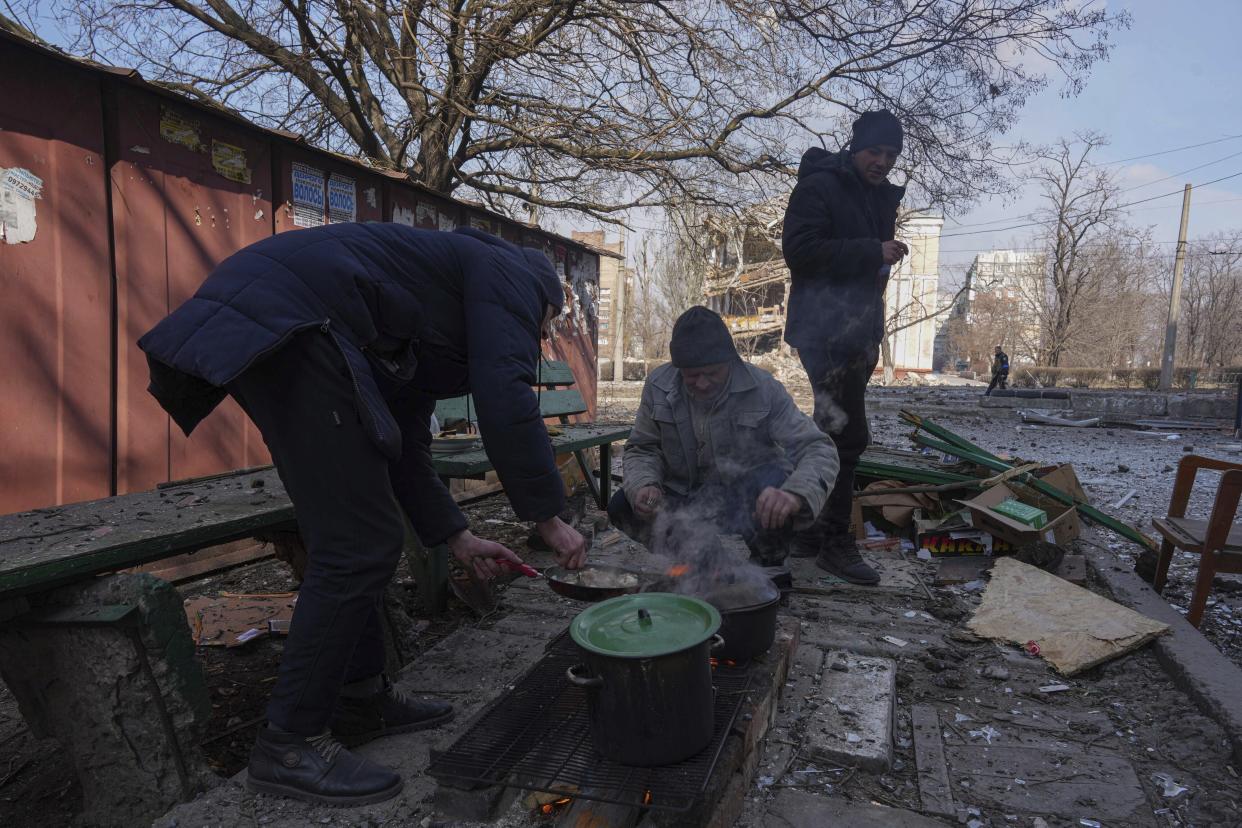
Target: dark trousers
[728,508]
[1001,379]
[839,381]
[302,400]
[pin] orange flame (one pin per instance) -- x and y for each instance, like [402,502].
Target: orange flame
[553,807]
[647,798]
[678,570]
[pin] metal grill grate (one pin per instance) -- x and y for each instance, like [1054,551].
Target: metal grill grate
[537,737]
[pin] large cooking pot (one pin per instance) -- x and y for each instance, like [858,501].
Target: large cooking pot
[748,631]
[648,675]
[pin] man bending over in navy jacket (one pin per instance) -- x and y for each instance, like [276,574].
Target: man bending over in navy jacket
[337,341]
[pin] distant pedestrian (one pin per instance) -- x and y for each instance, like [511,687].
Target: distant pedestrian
[1000,371]
[838,243]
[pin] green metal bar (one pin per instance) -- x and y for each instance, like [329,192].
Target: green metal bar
[885,471]
[943,433]
[1085,509]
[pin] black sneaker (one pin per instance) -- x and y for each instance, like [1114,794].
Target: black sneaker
[361,718]
[840,557]
[316,769]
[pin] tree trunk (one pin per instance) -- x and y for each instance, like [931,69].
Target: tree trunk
[886,357]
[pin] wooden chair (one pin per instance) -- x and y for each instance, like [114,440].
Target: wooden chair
[1217,541]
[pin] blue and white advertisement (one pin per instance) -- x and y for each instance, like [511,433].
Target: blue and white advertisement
[308,203]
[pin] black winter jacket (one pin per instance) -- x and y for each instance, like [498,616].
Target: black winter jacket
[834,226]
[417,314]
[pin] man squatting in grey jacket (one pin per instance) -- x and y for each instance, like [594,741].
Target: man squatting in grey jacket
[723,438]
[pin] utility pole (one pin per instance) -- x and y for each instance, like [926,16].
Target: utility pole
[1175,299]
[620,311]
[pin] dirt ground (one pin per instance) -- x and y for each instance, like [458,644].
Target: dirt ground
[1152,725]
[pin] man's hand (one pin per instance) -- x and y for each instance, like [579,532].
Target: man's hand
[775,507]
[894,251]
[647,501]
[479,555]
[567,543]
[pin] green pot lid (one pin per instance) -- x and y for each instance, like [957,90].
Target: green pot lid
[645,625]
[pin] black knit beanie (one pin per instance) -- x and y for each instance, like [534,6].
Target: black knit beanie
[700,337]
[875,128]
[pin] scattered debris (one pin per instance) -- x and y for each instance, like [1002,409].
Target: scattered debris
[1047,419]
[1125,498]
[1168,788]
[232,619]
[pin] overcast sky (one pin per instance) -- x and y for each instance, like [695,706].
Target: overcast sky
[1172,81]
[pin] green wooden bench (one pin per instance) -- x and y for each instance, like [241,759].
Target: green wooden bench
[557,400]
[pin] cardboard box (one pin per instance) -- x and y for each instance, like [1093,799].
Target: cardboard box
[1063,523]
[1064,478]
[953,536]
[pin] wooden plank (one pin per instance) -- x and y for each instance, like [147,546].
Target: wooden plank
[572,438]
[49,547]
[555,372]
[933,771]
[211,559]
[559,403]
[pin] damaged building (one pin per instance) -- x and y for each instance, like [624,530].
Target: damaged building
[747,283]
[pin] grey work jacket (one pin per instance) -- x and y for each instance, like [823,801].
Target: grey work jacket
[755,424]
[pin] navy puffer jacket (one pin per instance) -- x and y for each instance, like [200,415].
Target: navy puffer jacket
[419,315]
[834,227]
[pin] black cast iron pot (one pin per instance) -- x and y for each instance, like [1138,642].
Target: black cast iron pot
[748,631]
[648,676]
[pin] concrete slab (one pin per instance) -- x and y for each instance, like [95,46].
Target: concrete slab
[881,641]
[1099,785]
[897,576]
[796,809]
[853,723]
[1195,665]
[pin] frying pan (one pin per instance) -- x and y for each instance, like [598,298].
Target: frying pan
[565,582]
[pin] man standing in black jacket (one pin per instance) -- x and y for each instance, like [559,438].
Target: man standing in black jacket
[838,243]
[1000,371]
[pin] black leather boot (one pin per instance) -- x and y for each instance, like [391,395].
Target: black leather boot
[316,769]
[375,707]
[840,556]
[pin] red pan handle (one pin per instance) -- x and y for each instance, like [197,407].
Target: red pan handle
[526,569]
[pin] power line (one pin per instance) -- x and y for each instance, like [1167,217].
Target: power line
[1118,207]
[1166,152]
[1183,172]
[1137,186]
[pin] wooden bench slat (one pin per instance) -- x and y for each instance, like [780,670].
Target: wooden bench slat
[48,547]
[559,403]
[573,438]
[554,372]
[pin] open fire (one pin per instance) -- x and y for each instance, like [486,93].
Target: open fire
[549,808]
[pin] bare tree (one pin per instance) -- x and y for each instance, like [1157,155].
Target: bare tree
[1081,212]
[992,319]
[1212,302]
[597,106]
[1122,317]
